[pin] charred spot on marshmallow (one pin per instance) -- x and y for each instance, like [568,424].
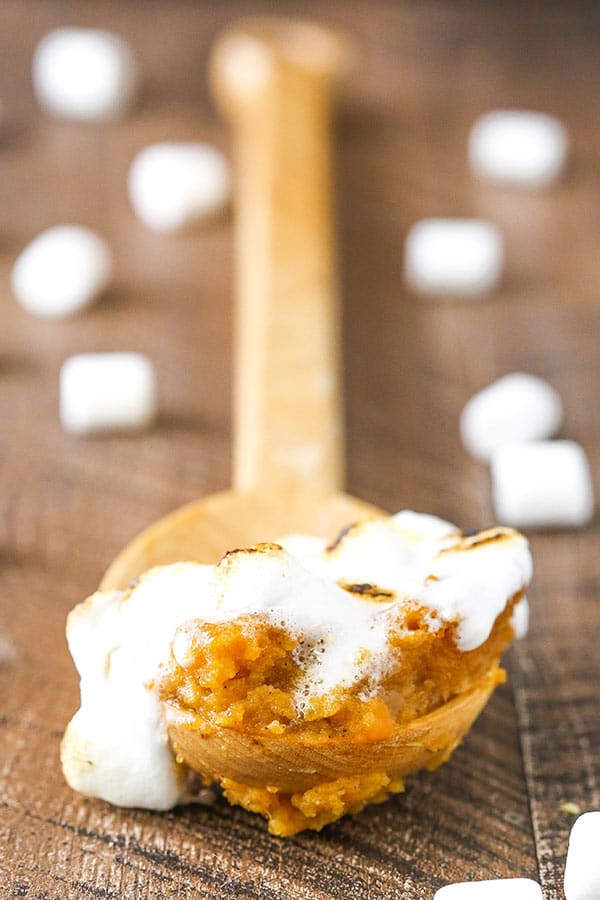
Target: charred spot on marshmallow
[480,539]
[340,536]
[265,548]
[368,591]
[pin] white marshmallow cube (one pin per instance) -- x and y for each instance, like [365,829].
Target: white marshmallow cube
[582,872]
[453,257]
[497,889]
[542,484]
[85,74]
[172,186]
[63,270]
[518,147]
[107,392]
[516,407]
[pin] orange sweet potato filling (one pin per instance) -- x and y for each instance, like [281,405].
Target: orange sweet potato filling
[242,674]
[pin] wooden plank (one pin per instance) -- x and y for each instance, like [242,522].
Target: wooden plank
[67,506]
[557,682]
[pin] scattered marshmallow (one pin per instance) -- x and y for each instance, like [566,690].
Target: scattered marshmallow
[455,257]
[517,407]
[107,392]
[63,270]
[542,484]
[582,872]
[84,73]
[498,889]
[174,185]
[518,147]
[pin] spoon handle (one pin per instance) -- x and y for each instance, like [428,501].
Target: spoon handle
[273,80]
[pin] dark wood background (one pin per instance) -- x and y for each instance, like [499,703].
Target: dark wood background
[67,505]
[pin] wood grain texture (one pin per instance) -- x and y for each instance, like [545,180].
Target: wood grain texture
[274,80]
[68,505]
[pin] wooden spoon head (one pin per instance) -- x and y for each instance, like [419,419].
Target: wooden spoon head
[202,531]
[295,766]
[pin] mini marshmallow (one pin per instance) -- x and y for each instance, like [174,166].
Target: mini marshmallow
[63,270]
[517,407]
[582,872]
[174,185]
[518,147]
[542,484]
[107,392]
[453,257]
[84,73]
[498,889]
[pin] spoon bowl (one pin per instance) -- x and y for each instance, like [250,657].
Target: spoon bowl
[205,529]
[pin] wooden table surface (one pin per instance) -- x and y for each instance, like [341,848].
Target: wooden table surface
[67,505]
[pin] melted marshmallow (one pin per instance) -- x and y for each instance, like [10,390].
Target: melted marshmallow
[424,558]
[116,746]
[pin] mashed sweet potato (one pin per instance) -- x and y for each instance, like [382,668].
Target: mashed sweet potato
[242,674]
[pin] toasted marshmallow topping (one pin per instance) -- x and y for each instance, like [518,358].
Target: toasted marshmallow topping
[116,746]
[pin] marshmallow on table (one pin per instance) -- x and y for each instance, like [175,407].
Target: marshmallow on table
[498,889]
[174,185]
[516,407]
[542,484]
[518,147]
[582,872]
[453,257]
[107,392]
[61,271]
[84,73]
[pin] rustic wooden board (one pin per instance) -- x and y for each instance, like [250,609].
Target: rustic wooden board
[67,505]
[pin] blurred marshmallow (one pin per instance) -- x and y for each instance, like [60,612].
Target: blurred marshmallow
[61,271]
[542,484]
[84,73]
[518,147]
[174,185]
[498,889]
[455,257]
[517,407]
[107,392]
[582,872]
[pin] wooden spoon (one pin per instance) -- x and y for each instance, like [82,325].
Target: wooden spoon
[274,81]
